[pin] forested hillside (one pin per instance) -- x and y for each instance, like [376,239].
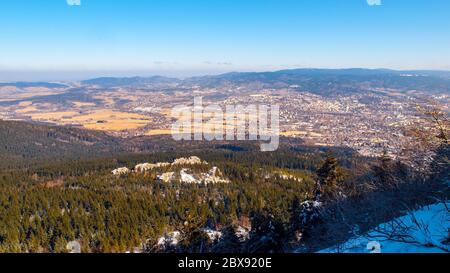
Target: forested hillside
[23,143]
[298,198]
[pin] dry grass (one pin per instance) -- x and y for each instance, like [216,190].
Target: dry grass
[53,116]
[27,110]
[25,103]
[104,120]
[300,134]
[80,104]
[109,120]
[158,132]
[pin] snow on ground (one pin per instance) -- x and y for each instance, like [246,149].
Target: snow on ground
[171,239]
[74,247]
[213,235]
[242,233]
[422,231]
[120,171]
[186,177]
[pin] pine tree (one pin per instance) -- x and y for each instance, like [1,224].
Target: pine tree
[193,238]
[384,172]
[330,175]
[229,242]
[268,234]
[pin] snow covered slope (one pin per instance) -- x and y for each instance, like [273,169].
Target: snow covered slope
[422,231]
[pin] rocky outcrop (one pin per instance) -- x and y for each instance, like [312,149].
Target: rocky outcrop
[121,171]
[145,167]
[193,160]
[185,175]
[167,177]
[169,239]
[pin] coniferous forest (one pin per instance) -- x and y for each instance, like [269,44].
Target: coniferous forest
[298,198]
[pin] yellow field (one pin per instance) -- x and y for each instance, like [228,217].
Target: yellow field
[158,132]
[294,133]
[104,120]
[82,104]
[300,134]
[107,101]
[110,99]
[9,89]
[53,116]
[27,110]
[11,93]
[109,120]
[38,89]
[115,125]
[25,103]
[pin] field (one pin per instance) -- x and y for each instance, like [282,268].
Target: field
[103,120]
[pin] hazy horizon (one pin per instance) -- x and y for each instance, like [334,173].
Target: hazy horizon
[67,76]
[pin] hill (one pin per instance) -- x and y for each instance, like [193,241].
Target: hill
[328,82]
[33,84]
[108,82]
[325,82]
[23,143]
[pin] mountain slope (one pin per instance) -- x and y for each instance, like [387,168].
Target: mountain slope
[130,82]
[320,81]
[422,231]
[22,143]
[33,84]
[335,81]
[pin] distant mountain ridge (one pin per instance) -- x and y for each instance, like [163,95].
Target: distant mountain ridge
[334,81]
[298,72]
[129,81]
[320,81]
[326,82]
[33,84]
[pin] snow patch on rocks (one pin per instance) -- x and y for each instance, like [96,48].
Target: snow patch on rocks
[145,167]
[187,178]
[212,234]
[169,239]
[167,177]
[121,171]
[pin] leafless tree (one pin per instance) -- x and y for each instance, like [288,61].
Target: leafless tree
[411,230]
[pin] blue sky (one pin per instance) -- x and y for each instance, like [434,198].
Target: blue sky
[184,37]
